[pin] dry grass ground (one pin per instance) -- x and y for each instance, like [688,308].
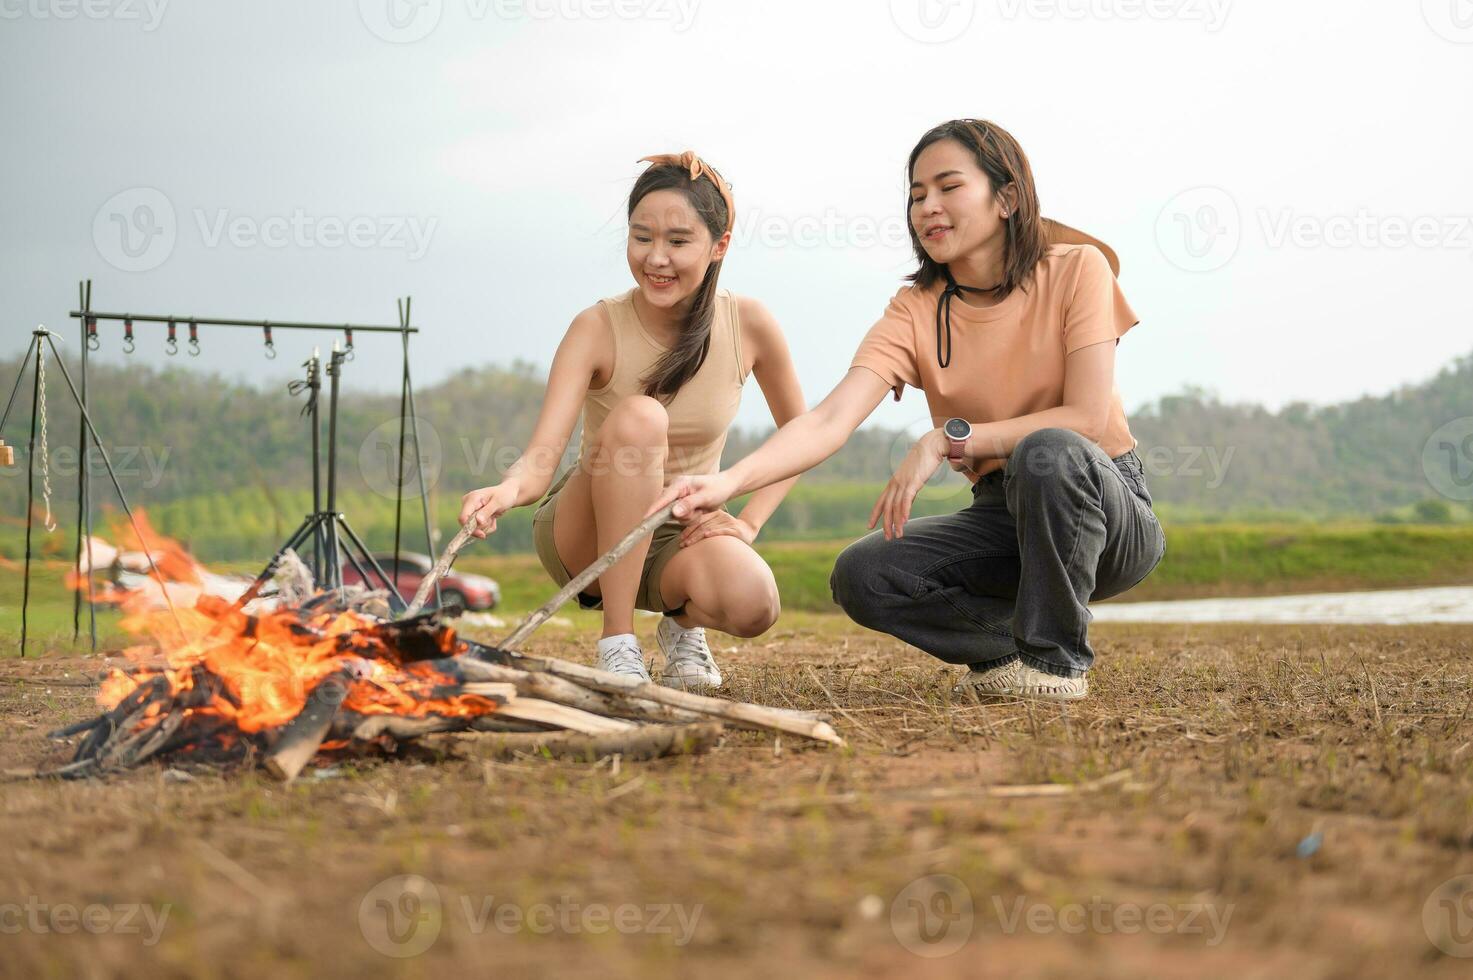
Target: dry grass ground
[1278,801]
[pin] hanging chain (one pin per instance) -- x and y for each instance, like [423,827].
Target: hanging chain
[44,454]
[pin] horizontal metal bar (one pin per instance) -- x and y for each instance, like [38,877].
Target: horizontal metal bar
[213,322]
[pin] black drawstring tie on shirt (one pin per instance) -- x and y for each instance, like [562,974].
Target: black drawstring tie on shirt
[943,311]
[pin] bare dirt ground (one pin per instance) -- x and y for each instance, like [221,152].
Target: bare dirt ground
[1231,801]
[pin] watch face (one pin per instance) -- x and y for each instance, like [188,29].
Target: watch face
[958,428]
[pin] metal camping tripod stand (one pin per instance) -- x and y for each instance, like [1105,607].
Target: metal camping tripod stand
[88,319]
[41,338]
[326,525]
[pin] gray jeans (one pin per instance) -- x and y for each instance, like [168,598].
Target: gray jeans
[1011,575]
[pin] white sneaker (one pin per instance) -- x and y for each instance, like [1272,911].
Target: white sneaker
[1016,679]
[1033,683]
[996,682]
[622,654]
[688,660]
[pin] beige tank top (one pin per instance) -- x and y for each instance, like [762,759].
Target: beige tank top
[701,412]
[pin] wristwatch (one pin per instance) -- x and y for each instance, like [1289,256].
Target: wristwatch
[958,431]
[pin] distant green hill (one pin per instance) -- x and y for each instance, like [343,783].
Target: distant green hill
[228,462]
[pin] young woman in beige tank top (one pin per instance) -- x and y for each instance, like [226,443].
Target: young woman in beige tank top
[657,375]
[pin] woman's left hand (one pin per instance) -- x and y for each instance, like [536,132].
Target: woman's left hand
[923,460]
[715,524]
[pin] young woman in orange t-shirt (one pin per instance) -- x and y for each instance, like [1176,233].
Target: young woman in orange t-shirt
[1010,327]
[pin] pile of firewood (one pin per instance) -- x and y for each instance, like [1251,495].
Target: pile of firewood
[388,682]
[539,704]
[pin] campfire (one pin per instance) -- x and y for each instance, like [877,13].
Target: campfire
[295,673]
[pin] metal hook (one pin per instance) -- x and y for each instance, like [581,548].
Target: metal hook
[171,345]
[193,339]
[128,335]
[270,344]
[93,341]
[348,352]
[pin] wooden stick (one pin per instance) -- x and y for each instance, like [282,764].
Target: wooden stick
[545,611]
[556,715]
[737,712]
[926,794]
[364,728]
[442,565]
[578,582]
[641,743]
[549,687]
[300,739]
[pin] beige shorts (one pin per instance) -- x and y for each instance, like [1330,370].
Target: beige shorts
[664,545]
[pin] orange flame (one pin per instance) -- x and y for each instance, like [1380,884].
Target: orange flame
[269,664]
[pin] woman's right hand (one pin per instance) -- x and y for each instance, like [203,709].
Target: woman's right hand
[486,505]
[695,496]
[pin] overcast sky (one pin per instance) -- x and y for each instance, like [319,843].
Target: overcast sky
[1287,184]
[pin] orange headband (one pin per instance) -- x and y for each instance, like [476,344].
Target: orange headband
[695,166]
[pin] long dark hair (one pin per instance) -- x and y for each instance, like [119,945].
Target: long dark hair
[679,364]
[1001,158]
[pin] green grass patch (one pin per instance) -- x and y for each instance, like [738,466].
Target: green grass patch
[1201,560]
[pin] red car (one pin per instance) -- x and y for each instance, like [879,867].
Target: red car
[470,592]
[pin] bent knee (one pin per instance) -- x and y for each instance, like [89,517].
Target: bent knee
[854,580]
[753,617]
[1047,454]
[636,418]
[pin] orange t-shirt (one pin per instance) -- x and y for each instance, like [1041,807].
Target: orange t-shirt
[1007,360]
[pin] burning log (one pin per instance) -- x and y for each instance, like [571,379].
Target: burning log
[300,740]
